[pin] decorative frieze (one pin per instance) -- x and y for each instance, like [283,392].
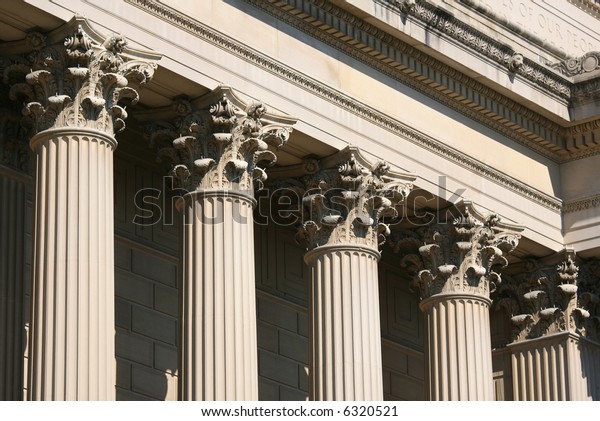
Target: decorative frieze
[573,66]
[77,81]
[223,145]
[348,204]
[462,255]
[433,17]
[549,299]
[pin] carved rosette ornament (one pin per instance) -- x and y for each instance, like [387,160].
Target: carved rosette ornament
[573,66]
[461,256]
[224,147]
[350,203]
[549,299]
[76,82]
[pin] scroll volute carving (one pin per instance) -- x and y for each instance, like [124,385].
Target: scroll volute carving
[78,80]
[222,143]
[464,254]
[548,299]
[348,200]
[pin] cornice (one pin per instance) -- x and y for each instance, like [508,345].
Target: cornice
[433,17]
[348,103]
[582,204]
[591,7]
[535,131]
[397,60]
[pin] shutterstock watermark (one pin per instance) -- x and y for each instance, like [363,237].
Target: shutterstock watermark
[290,206]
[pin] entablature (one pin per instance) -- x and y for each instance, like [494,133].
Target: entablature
[505,86]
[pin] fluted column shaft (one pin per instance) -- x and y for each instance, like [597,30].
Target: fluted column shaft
[345,335]
[458,347]
[72,325]
[12,236]
[558,367]
[218,304]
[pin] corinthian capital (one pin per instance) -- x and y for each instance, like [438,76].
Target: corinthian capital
[462,255]
[221,142]
[547,298]
[347,204]
[78,80]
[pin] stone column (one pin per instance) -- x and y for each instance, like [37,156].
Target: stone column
[71,91]
[555,346]
[14,182]
[216,165]
[455,270]
[344,209]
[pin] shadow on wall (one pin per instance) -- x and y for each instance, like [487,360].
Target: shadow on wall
[330,47]
[146,308]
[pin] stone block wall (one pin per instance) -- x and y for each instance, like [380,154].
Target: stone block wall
[282,296]
[146,276]
[146,323]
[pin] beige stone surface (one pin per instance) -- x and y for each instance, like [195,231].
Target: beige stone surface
[73,269]
[219,349]
[485,112]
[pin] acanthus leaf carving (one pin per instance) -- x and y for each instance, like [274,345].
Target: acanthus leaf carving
[78,81]
[221,144]
[547,299]
[462,255]
[348,201]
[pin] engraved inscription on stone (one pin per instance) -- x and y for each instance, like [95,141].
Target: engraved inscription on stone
[544,22]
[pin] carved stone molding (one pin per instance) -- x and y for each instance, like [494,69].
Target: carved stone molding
[591,7]
[543,129]
[548,299]
[492,49]
[581,205]
[574,66]
[462,255]
[348,204]
[546,137]
[222,142]
[77,80]
[348,103]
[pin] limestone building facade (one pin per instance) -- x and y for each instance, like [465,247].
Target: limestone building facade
[299,199]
